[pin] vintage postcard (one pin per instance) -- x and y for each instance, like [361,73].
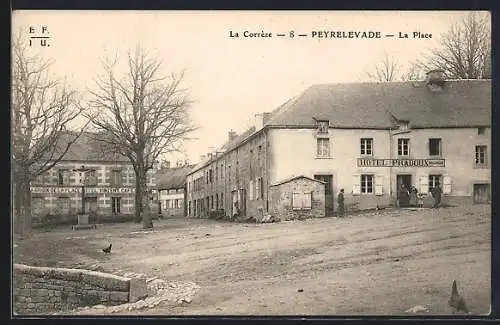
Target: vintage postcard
[251,163]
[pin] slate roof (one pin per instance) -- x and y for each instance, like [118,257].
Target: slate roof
[292,178]
[87,148]
[462,103]
[172,178]
[372,105]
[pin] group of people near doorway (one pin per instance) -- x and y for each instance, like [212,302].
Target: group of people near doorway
[407,197]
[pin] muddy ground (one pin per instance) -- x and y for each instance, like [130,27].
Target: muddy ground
[382,262]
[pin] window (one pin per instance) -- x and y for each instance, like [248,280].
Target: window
[207,176]
[322,127]
[366,184]
[211,175]
[91,178]
[259,152]
[367,146]
[434,147]
[434,180]
[63,177]
[229,172]
[176,203]
[481,156]
[221,171]
[222,200]
[301,201]
[216,201]
[216,173]
[259,194]
[323,147]
[189,208]
[403,147]
[115,204]
[116,178]
[481,131]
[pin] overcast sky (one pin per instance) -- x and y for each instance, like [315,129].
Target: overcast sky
[231,79]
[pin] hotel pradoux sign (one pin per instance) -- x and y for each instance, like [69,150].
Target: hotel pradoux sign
[98,190]
[369,162]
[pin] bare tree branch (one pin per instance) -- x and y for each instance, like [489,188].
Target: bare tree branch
[386,70]
[465,49]
[142,115]
[42,111]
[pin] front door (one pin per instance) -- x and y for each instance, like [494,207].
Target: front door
[404,179]
[90,204]
[481,193]
[329,194]
[115,205]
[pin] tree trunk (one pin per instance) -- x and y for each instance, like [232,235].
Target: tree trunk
[138,196]
[23,204]
[16,213]
[147,221]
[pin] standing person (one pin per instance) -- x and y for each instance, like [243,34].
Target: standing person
[340,201]
[403,196]
[436,194]
[413,196]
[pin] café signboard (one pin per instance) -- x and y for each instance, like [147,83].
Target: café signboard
[371,162]
[97,190]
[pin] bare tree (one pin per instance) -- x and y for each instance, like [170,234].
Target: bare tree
[413,73]
[144,116]
[42,109]
[465,50]
[386,70]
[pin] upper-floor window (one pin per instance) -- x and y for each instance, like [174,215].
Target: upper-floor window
[221,171]
[481,130]
[367,146]
[403,126]
[481,159]
[63,177]
[434,147]
[91,178]
[323,147]
[403,147]
[323,126]
[211,175]
[116,177]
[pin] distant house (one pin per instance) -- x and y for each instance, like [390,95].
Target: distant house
[365,138]
[171,183]
[109,182]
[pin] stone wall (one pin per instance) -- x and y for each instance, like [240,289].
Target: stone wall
[43,289]
[280,199]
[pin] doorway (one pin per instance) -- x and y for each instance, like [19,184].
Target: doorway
[402,196]
[329,196]
[91,204]
[481,193]
[116,205]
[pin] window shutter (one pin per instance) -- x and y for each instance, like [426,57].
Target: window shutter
[446,185]
[379,185]
[424,184]
[250,189]
[356,184]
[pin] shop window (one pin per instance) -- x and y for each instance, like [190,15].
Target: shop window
[366,184]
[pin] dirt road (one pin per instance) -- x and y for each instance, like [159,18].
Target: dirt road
[374,263]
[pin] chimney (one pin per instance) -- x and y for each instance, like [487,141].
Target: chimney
[231,135]
[435,80]
[261,120]
[202,158]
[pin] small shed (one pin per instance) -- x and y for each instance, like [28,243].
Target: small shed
[297,197]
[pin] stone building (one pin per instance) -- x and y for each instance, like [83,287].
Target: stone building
[367,138]
[171,187]
[109,183]
[297,198]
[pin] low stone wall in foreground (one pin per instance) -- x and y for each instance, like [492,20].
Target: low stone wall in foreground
[46,289]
